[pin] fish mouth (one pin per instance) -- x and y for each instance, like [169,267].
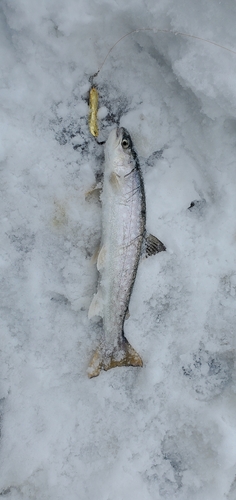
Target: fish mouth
[118,136]
[119,131]
[115,137]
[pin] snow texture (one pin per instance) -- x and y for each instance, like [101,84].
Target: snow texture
[167,430]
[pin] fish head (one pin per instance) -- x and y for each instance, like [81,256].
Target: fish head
[119,152]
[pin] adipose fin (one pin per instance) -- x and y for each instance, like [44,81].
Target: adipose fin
[127,315]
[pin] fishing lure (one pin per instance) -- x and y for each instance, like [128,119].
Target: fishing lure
[93,110]
[93,93]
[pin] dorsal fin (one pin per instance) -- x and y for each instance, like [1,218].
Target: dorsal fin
[152,245]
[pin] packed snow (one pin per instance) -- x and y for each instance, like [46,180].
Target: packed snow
[166,431]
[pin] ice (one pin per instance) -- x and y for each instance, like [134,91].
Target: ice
[167,430]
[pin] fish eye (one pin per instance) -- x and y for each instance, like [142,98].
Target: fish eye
[125,143]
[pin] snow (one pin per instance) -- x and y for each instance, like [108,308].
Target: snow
[167,430]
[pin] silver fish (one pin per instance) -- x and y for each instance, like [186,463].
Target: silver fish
[124,238]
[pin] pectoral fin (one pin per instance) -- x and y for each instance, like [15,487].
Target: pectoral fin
[115,181]
[95,190]
[121,356]
[152,245]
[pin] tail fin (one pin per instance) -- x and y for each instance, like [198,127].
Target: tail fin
[123,356]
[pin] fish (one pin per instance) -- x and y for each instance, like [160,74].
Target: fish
[124,240]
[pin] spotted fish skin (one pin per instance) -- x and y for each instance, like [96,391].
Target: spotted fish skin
[123,226]
[123,233]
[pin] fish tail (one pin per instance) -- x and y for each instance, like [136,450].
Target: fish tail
[125,355]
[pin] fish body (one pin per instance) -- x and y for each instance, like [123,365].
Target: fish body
[123,235]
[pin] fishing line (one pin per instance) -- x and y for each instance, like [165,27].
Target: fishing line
[93,93]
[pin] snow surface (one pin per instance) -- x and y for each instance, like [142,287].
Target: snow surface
[168,430]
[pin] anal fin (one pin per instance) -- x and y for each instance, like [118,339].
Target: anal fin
[96,306]
[95,365]
[125,355]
